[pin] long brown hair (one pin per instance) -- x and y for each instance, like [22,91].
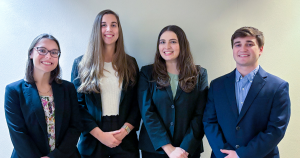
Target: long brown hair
[188,72]
[92,64]
[55,74]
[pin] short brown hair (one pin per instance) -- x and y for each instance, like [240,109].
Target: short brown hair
[55,74]
[249,31]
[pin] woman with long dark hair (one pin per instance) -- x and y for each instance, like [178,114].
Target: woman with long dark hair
[42,111]
[172,95]
[105,78]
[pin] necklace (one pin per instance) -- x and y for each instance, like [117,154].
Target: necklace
[46,92]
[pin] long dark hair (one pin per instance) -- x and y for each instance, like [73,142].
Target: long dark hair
[185,64]
[92,64]
[55,74]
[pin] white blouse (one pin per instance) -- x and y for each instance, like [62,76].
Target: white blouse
[110,91]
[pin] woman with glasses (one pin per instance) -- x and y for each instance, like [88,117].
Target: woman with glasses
[105,78]
[42,111]
[172,95]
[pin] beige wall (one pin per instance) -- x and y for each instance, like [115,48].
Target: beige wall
[208,24]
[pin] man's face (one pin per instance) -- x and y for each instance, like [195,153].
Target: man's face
[246,52]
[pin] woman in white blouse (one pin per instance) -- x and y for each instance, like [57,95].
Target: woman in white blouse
[105,78]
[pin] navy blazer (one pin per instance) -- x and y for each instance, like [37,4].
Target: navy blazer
[27,125]
[261,124]
[166,120]
[91,111]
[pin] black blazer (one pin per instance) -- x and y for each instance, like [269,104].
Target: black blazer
[27,125]
[91,111]
[166,120]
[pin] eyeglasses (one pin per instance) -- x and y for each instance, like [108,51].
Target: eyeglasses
[44,51]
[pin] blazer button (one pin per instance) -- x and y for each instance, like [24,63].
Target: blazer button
[172,106]
[171,123]
[237,146]
[238,128]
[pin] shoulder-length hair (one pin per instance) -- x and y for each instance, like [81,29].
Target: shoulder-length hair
[188,71]
[90,69]
[55,74]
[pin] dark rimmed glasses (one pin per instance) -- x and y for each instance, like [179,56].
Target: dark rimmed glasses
[43,51]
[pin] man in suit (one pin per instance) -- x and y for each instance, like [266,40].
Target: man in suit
[247,110]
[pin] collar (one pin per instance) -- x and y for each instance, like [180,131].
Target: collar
[249,76]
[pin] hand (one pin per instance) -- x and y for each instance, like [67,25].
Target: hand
[231,153]
[108,139]
[120,136]
[178,153]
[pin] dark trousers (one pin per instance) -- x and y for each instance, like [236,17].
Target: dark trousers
[110,123]
[146,154]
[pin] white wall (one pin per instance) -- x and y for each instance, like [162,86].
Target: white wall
[208,24]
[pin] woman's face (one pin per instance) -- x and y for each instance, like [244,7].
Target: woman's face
[169,46]
[110,29]
[44,63]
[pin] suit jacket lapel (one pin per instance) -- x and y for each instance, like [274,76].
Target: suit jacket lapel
[257,85]
[230,90]
[178,92]
[58,94]
[122,92]
[170,94]
[98,106]
[34,101]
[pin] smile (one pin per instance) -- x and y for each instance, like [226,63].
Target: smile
[108,35]
[243,55]
[168,53]
[46,63]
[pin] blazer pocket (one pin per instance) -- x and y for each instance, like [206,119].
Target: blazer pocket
[261,101]
[262,98]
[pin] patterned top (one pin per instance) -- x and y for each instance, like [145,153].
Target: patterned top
[49,109]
